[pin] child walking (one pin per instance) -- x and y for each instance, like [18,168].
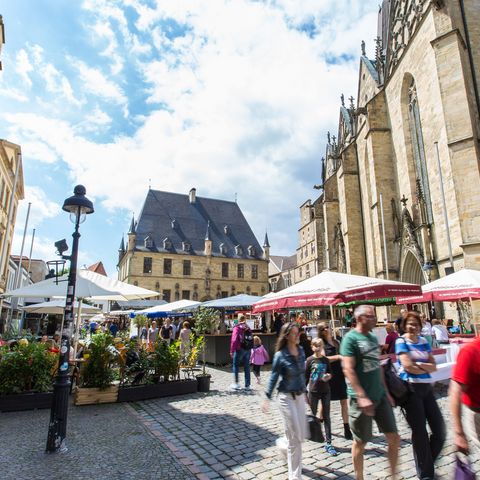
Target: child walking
[317,375]
[258,357]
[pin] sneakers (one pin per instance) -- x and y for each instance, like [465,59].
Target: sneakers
[248,389]
[347,432]
[235,386]
[330,449]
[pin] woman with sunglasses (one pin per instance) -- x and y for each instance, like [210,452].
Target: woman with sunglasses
[338,387]
[288,368]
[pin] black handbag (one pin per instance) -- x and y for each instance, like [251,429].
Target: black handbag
[398,389]
[315,427]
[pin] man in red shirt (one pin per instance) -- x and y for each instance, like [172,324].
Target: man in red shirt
[465,392]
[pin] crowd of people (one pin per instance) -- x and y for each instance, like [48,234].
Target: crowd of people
[351,372]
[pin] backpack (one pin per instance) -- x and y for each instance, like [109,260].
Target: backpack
[247,340]
[397,388]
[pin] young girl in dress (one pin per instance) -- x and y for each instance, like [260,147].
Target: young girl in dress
[258,357]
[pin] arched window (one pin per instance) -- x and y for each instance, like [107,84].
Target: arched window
[421,174]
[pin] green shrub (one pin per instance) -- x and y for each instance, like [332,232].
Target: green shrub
[27,368]
[99,369]
[165,360]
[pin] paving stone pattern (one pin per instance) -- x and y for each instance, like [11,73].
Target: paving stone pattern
[220,434]
[104,442]
[224,434]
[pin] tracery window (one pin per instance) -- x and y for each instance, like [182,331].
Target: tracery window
[421,174]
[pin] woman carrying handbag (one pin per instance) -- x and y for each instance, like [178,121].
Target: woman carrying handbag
[416,362]
[288,368]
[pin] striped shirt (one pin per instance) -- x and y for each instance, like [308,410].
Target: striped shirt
[418,352]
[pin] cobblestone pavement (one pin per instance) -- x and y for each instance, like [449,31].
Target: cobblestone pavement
[220,434]
[104,442]
[224,434]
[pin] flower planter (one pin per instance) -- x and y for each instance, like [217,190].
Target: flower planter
[203,382]
[164,389]
[90,396]
[25,401]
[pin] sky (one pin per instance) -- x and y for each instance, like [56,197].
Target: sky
[232,97]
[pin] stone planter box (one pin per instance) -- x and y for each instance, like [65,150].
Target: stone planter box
[25,401]
[90,396]
[135,393]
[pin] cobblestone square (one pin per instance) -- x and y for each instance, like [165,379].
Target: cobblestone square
[220,434]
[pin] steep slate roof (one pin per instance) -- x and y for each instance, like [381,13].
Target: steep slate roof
[191,220]
[281,263]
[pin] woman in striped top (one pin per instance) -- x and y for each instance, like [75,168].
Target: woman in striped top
[416,362]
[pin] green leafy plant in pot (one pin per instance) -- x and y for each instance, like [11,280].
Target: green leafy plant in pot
[205,322]
[100,367]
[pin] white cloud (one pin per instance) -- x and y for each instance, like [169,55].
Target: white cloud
[248,94]
[95,82]
[23,66]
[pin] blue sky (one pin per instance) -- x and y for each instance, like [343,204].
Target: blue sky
[228,96]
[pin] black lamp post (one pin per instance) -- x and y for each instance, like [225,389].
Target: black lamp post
[78,206]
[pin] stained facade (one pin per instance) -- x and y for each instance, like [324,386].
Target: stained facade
[400,179]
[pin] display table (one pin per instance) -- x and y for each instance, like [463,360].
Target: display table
[217,347]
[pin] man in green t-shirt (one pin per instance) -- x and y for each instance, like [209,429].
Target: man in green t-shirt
[369,398]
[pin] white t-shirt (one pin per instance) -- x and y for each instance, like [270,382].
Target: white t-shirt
[440,332]
[427,329]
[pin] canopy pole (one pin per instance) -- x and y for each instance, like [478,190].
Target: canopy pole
[332,323]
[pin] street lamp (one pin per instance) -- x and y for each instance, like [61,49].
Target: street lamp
[78,206]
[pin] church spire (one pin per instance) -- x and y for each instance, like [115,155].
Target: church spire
[132,226]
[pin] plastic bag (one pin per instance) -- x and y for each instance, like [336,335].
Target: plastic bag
[463,470]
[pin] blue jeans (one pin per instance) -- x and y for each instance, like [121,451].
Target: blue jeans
[242,357]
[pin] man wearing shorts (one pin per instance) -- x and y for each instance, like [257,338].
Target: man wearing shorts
[369,399]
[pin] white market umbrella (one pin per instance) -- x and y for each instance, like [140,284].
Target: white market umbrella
[89,285]
[237,301]
[57,307]
[169,307]
[330,288]
[461,285]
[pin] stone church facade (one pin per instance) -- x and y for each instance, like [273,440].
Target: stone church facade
[401,196]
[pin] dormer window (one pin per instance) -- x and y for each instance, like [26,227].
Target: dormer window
[223,249]
[167,244]
[187,246]
[174,224]
[251,251]
[148,242]
[226,229]
[238,250]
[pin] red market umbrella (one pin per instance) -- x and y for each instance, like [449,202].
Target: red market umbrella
[331,288]
[461,285]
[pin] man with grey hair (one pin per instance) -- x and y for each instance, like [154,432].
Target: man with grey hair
[369,399]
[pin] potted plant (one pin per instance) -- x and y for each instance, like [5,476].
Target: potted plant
[26,376]
[98,372]
[205,321]
[152,374]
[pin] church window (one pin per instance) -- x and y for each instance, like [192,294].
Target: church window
[254,272]
[423,188]
[187,267]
